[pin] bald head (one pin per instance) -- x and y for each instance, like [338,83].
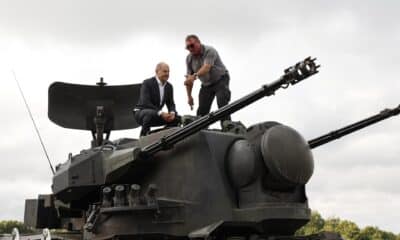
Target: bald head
[162,71]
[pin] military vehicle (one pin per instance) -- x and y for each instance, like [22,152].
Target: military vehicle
[187,182]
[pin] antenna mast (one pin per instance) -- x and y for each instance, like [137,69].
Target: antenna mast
[34,123]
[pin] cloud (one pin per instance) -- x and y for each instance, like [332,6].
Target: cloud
[18,191]
[357,204]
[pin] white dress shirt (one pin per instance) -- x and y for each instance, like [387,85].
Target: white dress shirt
[161,88]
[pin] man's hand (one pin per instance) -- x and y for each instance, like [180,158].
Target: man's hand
[171,117]
[168,117]
[190,80]
[165,116]
[190,102]
[189,86]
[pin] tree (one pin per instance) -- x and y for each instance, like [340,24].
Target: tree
[374,233]
[6,227]
[331,224]
[314,226]
[349,230]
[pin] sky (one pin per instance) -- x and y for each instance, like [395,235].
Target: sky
[356,43]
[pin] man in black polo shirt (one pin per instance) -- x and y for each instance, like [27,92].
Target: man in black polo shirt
[204,63]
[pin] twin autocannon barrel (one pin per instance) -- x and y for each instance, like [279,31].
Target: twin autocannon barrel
[291,76]
[387,113]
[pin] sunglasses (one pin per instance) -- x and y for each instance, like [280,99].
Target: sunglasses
[190,46]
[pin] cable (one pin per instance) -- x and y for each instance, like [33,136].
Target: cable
[34,123]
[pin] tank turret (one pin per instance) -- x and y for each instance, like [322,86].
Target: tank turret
[187,182]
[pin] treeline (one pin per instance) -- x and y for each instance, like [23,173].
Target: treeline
[6,227]
[347,229]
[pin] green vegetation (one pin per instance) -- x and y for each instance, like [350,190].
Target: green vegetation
[6,227]
[347,229]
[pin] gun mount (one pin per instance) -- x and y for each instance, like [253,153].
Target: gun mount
[291,76]
[187,182]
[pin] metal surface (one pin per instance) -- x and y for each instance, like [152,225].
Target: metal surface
[185,182]
[74,106]
[287,156]
[241,163]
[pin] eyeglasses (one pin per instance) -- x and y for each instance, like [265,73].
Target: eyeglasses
[190,46]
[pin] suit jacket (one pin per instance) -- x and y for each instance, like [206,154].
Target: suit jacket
[150,96]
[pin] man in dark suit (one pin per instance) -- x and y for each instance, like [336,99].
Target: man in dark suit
[154,93]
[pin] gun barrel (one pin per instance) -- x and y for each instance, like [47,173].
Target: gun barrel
[291,76]
[387,113]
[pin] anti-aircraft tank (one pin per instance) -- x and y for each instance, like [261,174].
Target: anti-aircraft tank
[186,182]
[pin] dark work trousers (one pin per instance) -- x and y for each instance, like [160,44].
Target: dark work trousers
[220,89]
[149,118]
